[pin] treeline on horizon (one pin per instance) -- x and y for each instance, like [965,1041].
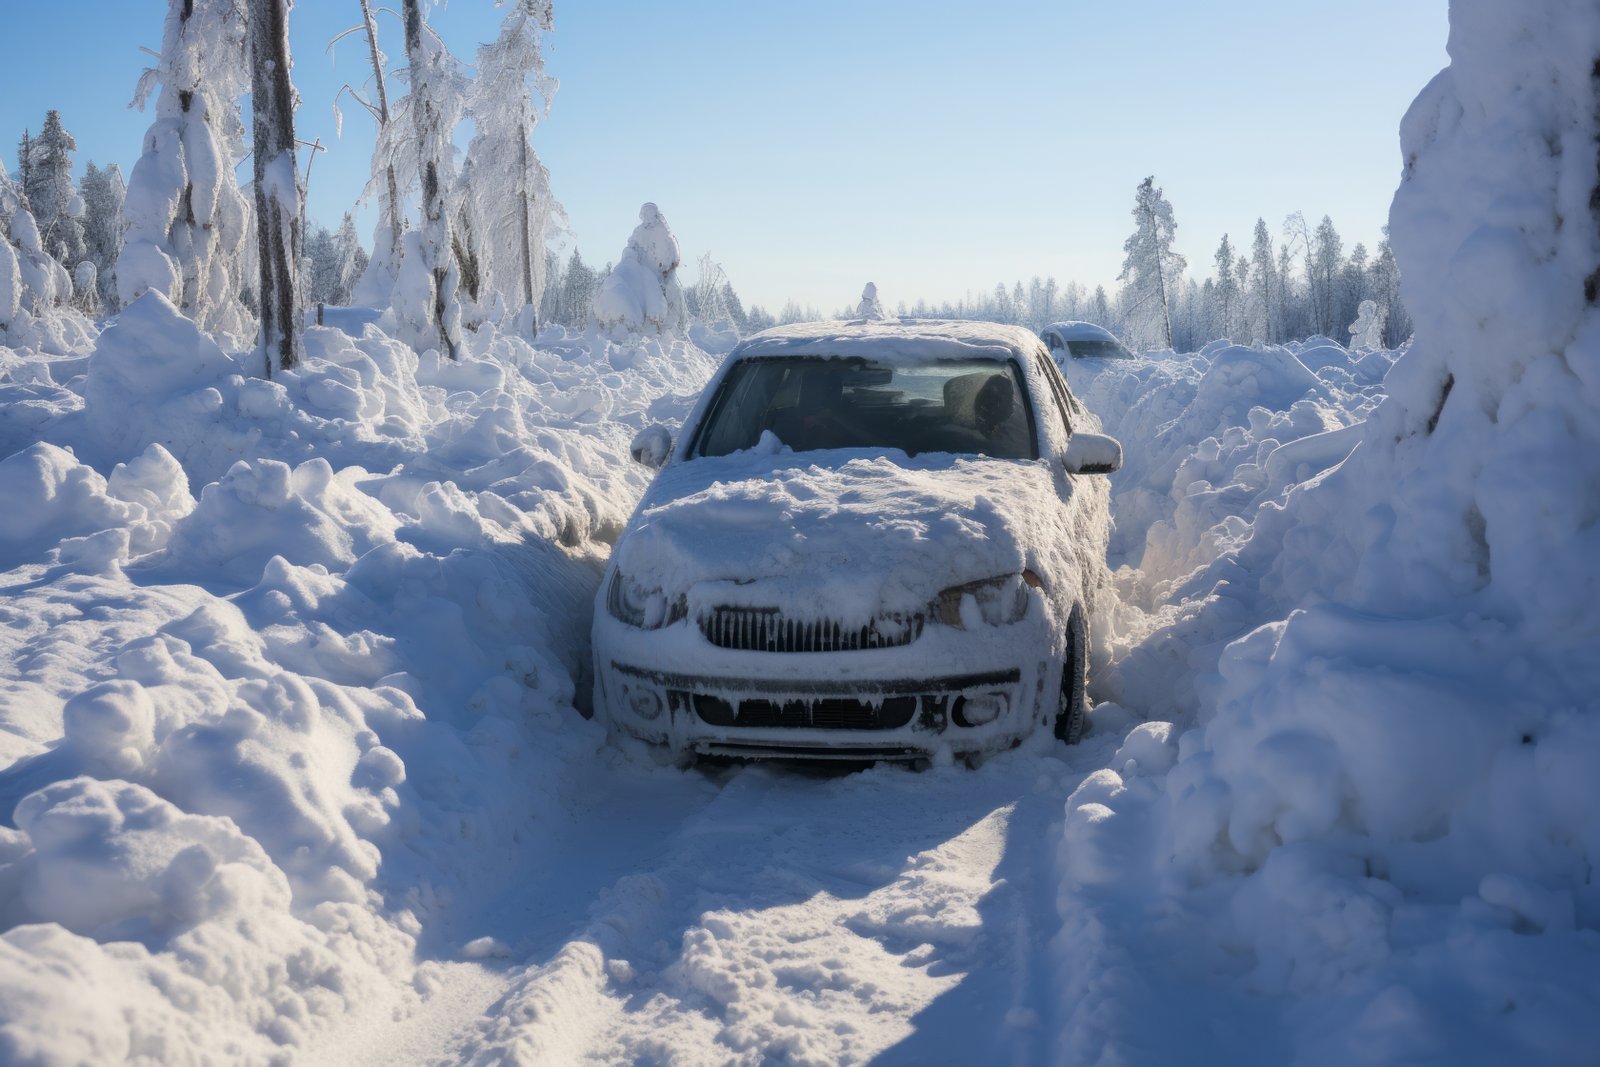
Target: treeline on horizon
[1305,283]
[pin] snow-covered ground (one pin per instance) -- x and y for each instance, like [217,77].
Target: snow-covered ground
[291,732]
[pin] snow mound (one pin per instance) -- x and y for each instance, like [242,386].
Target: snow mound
[290,664]
[1376,831]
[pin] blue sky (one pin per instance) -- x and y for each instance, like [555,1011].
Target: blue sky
[931,146]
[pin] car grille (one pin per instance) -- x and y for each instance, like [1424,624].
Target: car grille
[769,630]
[825,713]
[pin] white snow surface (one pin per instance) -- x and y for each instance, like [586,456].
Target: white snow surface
[293,766]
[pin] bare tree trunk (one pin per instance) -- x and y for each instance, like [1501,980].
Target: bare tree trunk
[391,206]
[433,207]
[276,182]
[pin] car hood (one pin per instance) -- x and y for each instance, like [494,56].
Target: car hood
[837,535]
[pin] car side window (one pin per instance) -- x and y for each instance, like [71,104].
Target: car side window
[1058,388]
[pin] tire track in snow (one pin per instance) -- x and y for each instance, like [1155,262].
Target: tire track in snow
[792,918]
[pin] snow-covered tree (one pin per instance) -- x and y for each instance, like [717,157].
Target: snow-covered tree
[384,263]
[187,220]
[103,195]
[1366,333]
[349,261]
[1327,256]
[735,306]
[41,283]
[578,285]
[52,196]
[277,184]
[24,178]
[1100,307]
[642,295]
[1353,283]
[1385,285]
[86,288]
[870,307]
[706,296]
[11,279]
[510,196]
[420,144]
[1225,290]
[1150,268]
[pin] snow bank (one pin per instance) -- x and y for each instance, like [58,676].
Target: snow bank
[1377,820]
[289,664]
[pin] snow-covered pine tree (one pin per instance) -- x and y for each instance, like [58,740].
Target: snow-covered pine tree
[1293,317]
[1100,308]
[52,196]
[187,219]
[1385,284]
[870,307]
[277,184]
[1150,268]
[317,266]
[349,261]
[642,294]
[577,291]
[1327,258]
[1225,290]
[24,177]
[1265,314]
[1353,282]
[103,195]
[510,192]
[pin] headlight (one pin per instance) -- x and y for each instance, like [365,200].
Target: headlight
[638,605]
[993,602]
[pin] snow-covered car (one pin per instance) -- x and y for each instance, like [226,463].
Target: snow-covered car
[873,540]
[1083,340]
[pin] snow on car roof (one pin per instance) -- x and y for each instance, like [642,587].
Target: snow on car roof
[1080,331]
[887,340]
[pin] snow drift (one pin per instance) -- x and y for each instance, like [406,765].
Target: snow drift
[1378,814]
[274,650]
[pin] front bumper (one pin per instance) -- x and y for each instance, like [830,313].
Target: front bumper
[671,687]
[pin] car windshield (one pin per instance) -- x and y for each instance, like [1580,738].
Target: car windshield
[809,403]
[1099,349]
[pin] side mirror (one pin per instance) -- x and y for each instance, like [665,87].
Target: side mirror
[652,446]
[1092,453]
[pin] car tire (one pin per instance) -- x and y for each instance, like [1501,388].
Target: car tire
[1072,718]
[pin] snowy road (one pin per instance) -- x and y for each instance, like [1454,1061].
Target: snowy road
[753,914]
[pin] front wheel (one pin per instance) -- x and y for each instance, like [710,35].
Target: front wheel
[1072,718]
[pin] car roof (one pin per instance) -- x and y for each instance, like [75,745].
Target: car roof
[891,340]
[1080,331]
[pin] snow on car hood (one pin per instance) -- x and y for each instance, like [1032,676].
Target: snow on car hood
[844,535]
